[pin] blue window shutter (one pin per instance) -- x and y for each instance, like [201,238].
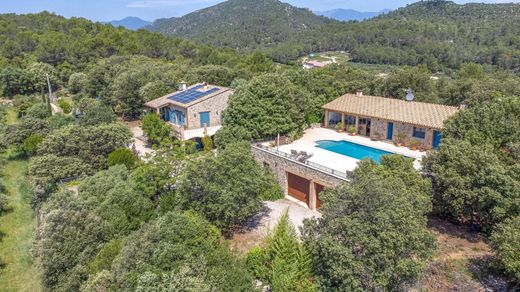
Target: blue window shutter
[204,119]
[181,118]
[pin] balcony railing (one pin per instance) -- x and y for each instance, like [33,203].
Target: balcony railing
[339,174]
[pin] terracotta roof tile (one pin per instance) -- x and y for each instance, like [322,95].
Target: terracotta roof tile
[410,112]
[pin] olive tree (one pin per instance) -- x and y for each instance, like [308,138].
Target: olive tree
[506,241]
[373,233]
[226,188]
[267,105]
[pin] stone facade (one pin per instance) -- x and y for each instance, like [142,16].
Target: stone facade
[280,166]
[379,130]
[215,106]
[379,126]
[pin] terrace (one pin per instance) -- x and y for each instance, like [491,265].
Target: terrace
[333,162]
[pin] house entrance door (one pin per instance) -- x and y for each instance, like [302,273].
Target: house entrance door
[390,132]
[436,139]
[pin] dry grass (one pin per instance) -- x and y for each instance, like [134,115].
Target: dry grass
[462,261]
[20,273]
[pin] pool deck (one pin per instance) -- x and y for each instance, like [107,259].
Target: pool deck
[341,162]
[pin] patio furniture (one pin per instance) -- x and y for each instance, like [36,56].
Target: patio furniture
[304,156]
[294,154]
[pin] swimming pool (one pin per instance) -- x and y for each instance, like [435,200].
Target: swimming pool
[353,150]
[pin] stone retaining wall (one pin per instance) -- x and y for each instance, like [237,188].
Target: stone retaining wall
[280,166]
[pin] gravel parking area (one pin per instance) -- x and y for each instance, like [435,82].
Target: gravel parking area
[139,140]
[260,226]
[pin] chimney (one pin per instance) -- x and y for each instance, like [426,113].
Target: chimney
[183,86]
[359,92]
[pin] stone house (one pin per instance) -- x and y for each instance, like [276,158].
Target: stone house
[391,119]
[194,111]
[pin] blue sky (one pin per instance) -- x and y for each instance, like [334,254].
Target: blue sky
[104,10]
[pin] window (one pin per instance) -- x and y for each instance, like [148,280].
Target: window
[177,117]
[350,120]
[419,133]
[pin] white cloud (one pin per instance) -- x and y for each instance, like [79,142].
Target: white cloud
[164,3]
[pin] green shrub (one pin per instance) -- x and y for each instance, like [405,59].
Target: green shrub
[105,257]
[123,156]
[155,129]
[30,145]
[65,106]
[207,143]
[231,134]
[190,147]
[39,110]
[273,193]
[4,204]
[283,262]
[506,241]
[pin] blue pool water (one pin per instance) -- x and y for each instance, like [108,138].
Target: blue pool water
[353,150]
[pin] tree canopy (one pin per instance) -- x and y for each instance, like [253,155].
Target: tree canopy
[266,106]
[476,169]
[373,231]
[225,188]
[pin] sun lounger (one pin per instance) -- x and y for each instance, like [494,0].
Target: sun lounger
[294,154]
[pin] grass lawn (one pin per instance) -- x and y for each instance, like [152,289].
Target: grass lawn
[319,58]
[20,273]
[11,117]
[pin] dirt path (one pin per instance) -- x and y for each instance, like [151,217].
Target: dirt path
[20,274]
[56,109]
[462,261]
[260,226]
[139,141]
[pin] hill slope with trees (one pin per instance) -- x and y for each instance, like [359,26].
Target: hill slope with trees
[437,33]
[244,24]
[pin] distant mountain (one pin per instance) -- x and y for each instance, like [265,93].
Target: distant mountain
[243,24]
[448,11]
[350,14]
[133,23]
[435,32]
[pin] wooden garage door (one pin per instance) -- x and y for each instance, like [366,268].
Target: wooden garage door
[319,189]
[299,187]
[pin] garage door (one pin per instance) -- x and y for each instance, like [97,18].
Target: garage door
[319,189]
[299,187]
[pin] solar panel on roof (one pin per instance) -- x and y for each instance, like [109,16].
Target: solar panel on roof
[192,94]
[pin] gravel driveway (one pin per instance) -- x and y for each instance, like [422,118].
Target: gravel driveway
[260,225]
[139,140]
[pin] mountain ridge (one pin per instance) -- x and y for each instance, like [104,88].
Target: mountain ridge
[437,33]
[130,22]
[342,14]
[251,22]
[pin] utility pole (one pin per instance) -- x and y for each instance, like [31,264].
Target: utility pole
[50,95]
[49,85]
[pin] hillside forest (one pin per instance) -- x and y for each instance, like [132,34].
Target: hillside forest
[439,34]
[96,217]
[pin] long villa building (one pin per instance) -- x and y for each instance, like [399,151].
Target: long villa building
[389,119]
[378,123]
